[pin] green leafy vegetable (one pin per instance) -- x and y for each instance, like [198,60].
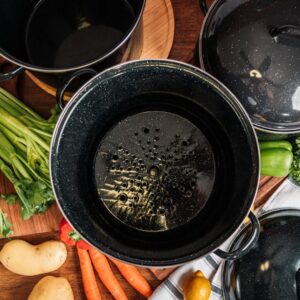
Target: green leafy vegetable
[10,199]
[24,154]
[295,173]
[5,226]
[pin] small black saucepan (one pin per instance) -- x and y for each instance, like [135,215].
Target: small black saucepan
[60,36]
[156,163]
[253,47]
[271,270]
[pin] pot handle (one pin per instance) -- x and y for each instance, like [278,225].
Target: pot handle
[11,74]
[287,34]
[62,89]
[203,6]
[248,245]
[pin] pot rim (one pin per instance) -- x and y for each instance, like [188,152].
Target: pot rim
[31,67]
[217,85]
[259,128]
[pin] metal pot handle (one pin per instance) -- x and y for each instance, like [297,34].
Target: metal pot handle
[247,246]
[11,74]
[203,6]
[62,89]
[287,34]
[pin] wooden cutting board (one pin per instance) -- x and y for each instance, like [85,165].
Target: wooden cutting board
[18,287]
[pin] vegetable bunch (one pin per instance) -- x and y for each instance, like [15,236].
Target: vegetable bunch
[281,158]
[24,154]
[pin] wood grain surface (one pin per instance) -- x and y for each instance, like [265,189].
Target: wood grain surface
[188,20]
[158,30]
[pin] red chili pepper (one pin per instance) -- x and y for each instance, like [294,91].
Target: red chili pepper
[70,237]
[83,245]
[65,230]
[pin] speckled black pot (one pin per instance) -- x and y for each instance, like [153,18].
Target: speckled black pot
[58,20]
[271,269]
[112,96]
[253,47]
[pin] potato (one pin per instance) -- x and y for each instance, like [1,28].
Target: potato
[52,288]
[25,259]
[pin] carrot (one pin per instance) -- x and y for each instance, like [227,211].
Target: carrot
[88,276]
[134,278]
[105,273]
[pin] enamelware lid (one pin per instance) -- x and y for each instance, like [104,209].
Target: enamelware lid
[253,47]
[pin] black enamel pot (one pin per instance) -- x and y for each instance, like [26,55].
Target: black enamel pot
[53,38]
[271,269]
[253,47]
[156,163]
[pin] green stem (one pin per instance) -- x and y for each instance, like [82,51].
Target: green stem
[9,154]
[43,125]
[20,129]
[34,150]
[9,109]
[34,174]
[17,141]
[19,165]
[42,133]
[7,171]
[18,105]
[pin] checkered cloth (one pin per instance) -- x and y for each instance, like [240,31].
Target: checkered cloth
[286,196]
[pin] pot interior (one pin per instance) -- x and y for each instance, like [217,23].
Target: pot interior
[154,164]
[155,170]
[65,34]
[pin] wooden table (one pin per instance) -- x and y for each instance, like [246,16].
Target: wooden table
[188,20]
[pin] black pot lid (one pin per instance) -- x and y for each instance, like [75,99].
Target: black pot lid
[253,47]
[271,270]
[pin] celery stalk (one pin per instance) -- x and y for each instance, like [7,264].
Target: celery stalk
[24,154]
[17,105]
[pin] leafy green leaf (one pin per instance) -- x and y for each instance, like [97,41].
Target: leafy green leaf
[35,197]
[295,173]
[10,198]
[5,226]
[55,112]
